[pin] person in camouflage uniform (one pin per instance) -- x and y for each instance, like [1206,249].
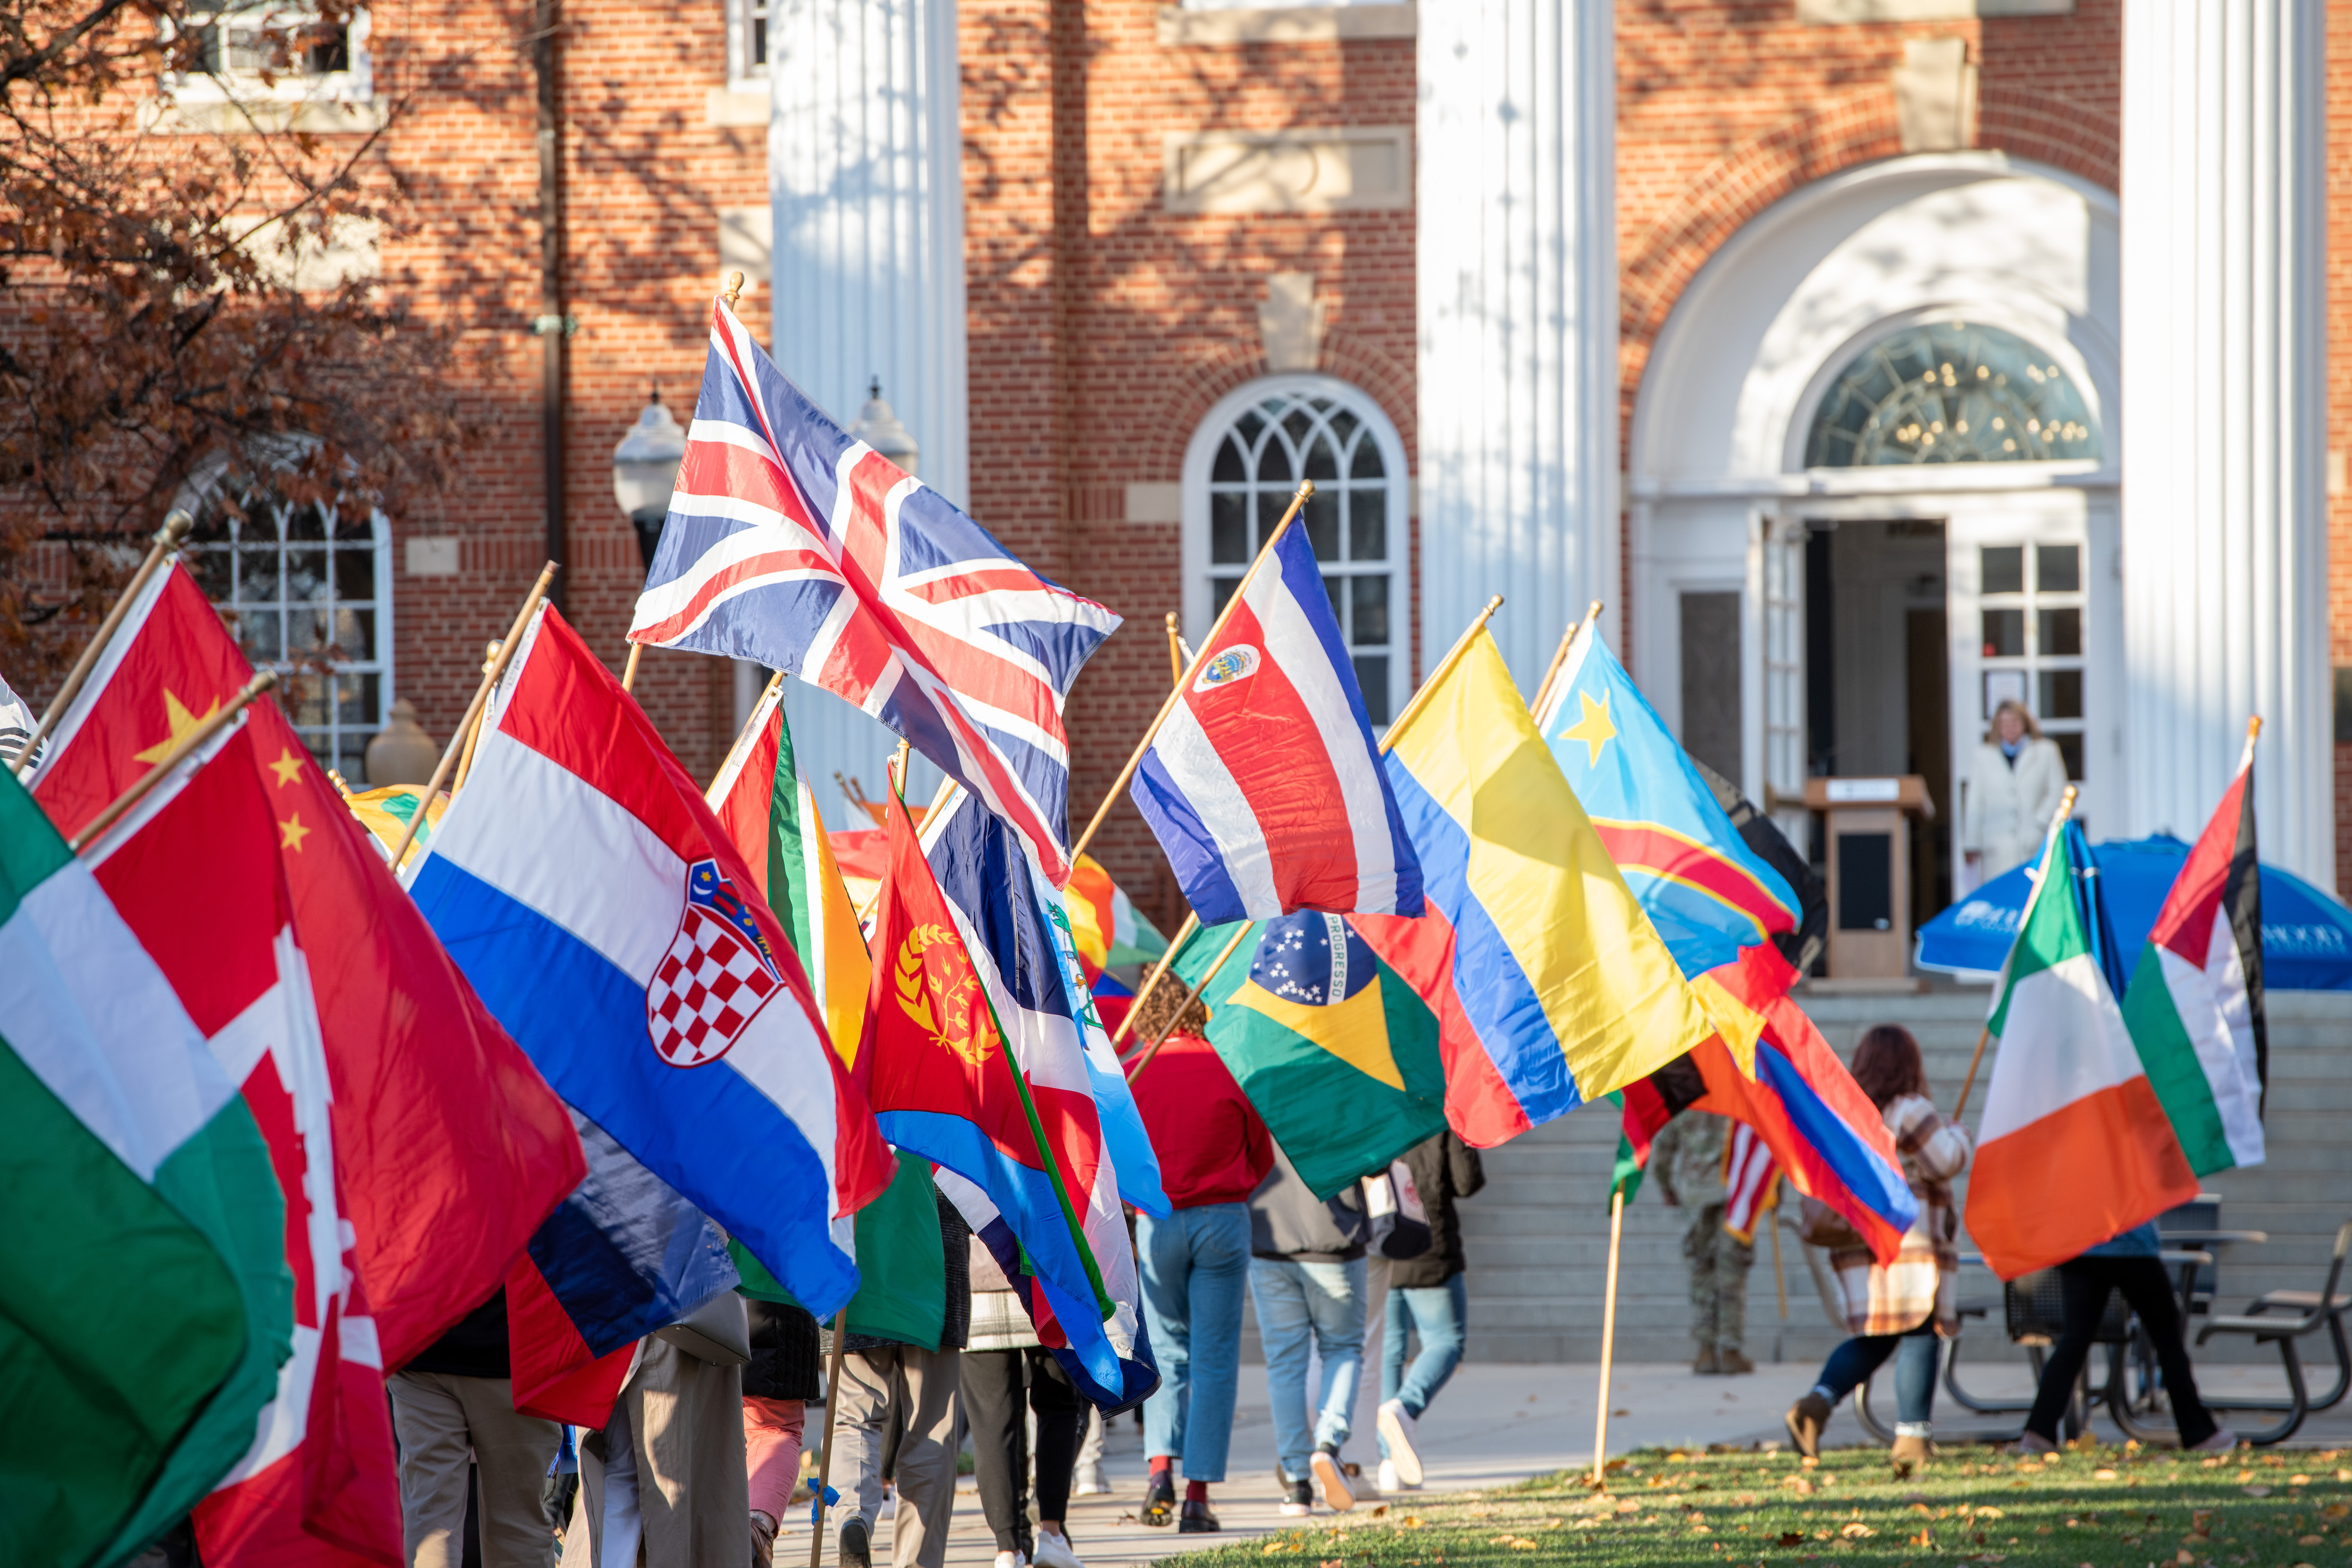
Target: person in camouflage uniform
[1686,1160]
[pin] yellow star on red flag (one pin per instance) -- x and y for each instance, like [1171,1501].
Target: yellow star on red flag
[180,721]
[291,832]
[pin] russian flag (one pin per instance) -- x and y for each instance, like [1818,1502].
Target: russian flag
[1263,784]
[596,904]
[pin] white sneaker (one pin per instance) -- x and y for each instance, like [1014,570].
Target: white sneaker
[1093,1480]
[1296,1499]
[1010,1560]
[1388,1480]
[1398,1426]
[1056,1552]
[1332,1482]
[2220,1442]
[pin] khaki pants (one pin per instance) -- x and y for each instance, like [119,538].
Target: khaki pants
[919,1388]
[681,1419]
[438,1417]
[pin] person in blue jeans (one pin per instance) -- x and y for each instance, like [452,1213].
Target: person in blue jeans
[1427,1297]
[1213,1151]
[1307,1283]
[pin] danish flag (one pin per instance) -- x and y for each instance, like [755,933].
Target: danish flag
[791,542]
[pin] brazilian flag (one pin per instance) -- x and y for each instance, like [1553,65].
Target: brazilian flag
[1337,1052]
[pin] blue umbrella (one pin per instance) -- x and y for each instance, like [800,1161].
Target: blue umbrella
[2306,934]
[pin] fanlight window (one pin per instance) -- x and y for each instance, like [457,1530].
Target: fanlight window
[1950,391]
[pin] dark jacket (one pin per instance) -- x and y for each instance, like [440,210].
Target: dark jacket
[1288,1221]
[475,1346]
[1444,1168]
[783,1353]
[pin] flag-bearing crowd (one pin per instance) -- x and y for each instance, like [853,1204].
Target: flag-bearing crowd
[612,1119]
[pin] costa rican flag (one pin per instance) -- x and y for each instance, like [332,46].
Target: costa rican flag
[1263,784]
[790,542]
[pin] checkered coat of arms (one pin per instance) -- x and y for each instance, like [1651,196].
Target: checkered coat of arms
[715,976]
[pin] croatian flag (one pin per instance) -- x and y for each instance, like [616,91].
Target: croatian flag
[588,893]
[1263,784]
[791,542]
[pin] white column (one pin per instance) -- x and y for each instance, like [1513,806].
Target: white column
[2225,359]
[865,187]
[1518,319]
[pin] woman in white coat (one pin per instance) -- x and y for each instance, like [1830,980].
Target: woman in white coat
[2015,781]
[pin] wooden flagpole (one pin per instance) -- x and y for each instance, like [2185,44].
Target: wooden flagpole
[473,731]
[1175,652]
[2065,810]
[1559,658]
[1780,1278]
[1608,1332]
[1265,554]
[824,1455]
[165,543]
[629,669]
[213,724]
[507,645]
[1396,727]
[1191,993]
[744,735]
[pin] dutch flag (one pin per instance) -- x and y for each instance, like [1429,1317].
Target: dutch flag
[591,898]
[1263,784]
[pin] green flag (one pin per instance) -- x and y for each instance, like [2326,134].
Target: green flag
[136,1190]
[1335,1050]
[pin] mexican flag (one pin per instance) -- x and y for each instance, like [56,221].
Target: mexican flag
[771,814]
[1333,1048]
[2070,1109]
[145,1304]
[2195,1002]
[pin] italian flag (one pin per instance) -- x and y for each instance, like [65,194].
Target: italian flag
[145,1303]
[769,812]
[2195,1002]
[2076,1144]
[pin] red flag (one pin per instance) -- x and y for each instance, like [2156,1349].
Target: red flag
[417,1146]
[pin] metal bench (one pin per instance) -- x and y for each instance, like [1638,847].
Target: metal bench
[2281,1318]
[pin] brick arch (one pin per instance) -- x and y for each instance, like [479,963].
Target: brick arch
[1362,364]
[1810,145]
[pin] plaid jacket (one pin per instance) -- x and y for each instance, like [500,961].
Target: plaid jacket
[1891,1298]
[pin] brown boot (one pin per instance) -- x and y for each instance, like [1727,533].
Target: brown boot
[1910,1454]
[1707,1363]
[1807,1418]
[1731,1363]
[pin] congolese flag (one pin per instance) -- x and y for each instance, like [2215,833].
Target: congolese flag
[1338,1055]
[2070,1108]
[1550,985]
[134,1182]
[1714,901]
[2194,1004]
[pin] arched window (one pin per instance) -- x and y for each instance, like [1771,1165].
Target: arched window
[1950,391]
[1244,464]
[307,589]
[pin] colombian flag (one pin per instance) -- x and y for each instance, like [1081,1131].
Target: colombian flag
[1715,903]
[1550,985]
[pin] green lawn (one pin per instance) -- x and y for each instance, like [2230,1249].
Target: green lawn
[2091,1507]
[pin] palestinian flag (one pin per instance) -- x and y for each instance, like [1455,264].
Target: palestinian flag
[1335,1049]
[135,1184]
[2194,1006]
[769,812]
[1104,923]
[2070,1108]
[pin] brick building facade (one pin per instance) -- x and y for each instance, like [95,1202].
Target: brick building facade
[1160,207]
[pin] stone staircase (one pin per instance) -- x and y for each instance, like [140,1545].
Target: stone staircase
[1538,1238]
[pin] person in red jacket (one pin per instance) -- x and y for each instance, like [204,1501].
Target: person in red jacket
[1213,1151]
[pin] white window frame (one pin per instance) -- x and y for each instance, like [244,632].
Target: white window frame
[355,84]
[742,72]
[1199,455]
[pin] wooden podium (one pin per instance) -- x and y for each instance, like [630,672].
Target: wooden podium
[1870,875]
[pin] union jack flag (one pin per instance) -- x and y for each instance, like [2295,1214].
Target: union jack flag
[791,542]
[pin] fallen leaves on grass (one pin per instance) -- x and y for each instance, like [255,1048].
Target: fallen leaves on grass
[2103,1475]
[2255,1491]
[1854,1530]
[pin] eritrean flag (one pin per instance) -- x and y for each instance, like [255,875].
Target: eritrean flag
[1550,985]
[1713,900]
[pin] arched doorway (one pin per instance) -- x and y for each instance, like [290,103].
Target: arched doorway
[1829,574]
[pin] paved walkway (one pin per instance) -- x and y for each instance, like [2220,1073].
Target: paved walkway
[1495,1424]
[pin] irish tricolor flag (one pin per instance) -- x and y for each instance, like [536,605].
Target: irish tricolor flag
[2076,1144]
[144,1300]
[2195,1002]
